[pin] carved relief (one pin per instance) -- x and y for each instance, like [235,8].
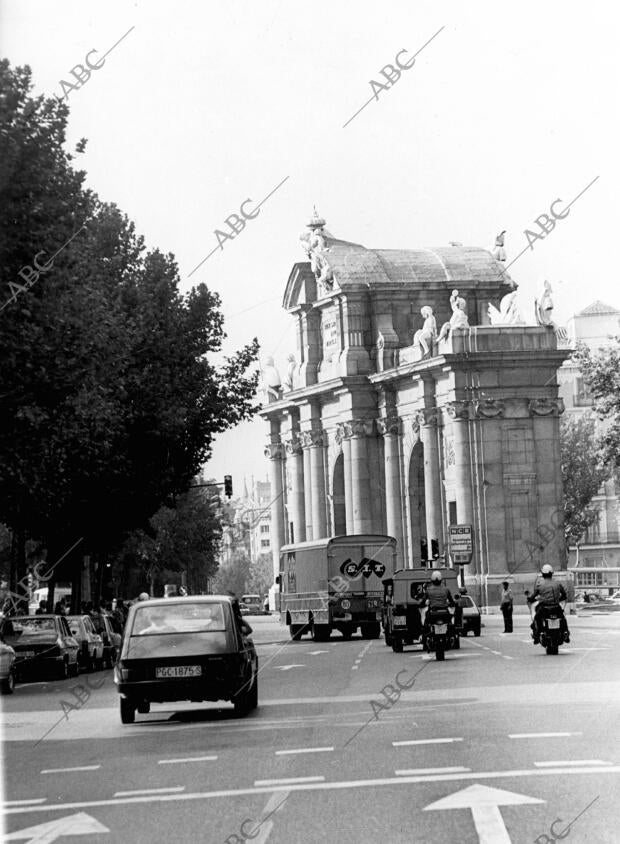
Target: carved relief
[427,416]
[489,408]
[458,409]
[362,427]
[390,425]
[449,451]
[308,439]
[293,446]
[546,407]
[274,451]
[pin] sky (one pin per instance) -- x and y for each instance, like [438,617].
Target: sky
[200,106]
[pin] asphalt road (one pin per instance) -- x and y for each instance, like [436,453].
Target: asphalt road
[493,745]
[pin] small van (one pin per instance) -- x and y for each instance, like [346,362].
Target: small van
[254,603]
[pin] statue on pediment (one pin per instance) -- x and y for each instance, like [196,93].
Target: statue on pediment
[499,253]
[316,248]
[508,313]
[459,316]
[290,373]
[271,383]
[426,336]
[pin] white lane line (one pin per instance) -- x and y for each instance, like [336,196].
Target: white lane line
[542,735]
[425,741]
[187,759]
[66,770]
[145,791]
[414,772]
[305,750]
[557,763]
[25,802]
[317,786]
[570,650]
[289,781]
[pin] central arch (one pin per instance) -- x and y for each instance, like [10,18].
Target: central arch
[417,507]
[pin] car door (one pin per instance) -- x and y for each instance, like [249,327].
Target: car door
[70,642]
[94,639]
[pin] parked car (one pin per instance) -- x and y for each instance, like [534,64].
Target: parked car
[7,668]
[243,608]
[111,632]
[193,649]
[90,655]
[254,604]
[471,615]
[41,643]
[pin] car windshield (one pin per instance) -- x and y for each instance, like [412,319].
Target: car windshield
[178,618]
[34,624]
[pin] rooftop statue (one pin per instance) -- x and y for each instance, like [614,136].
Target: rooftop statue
[508,313]
[270,381]
[426,335]
[459,316]
[316,248]
[499,253]
[543,308]
[290,373]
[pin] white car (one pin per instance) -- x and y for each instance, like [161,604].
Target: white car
[615,598]
[7,671]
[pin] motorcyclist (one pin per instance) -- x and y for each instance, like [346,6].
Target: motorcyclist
[438,598]
[548,594]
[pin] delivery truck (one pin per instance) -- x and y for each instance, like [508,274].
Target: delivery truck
[335,584]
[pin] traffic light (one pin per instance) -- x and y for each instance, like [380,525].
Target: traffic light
[228,486]
[435,549]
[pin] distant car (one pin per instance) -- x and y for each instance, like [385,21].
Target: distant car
[90,642]
[244,609]
[7,669]
[111,632]
[193,649]
[471,615]
[254,604]
[41,642]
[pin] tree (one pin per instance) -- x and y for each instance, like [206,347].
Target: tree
[232,576]
[583,471]
[261,575]
[108,394]
[601,373]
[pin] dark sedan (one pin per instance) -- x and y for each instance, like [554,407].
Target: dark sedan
[41,643]
[194,648]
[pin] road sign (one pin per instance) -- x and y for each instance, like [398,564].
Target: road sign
[461,542]
[484,802]
[43,833]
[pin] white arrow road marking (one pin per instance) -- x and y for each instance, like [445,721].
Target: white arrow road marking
[44,833]
[484,802]
[315,653]
[288,667]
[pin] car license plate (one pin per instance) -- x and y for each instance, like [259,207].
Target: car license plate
[554,623]
[440,629]
[178,671]
[400,619]
[26,654]
[373,603]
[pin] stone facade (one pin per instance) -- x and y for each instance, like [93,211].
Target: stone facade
[374,433]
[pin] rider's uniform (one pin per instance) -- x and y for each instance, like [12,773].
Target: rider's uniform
[548,594]
[439,597]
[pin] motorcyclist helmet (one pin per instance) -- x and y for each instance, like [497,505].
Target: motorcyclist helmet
[143,596]
[436,577]
[547,570]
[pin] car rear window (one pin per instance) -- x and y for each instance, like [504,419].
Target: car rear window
[178,618]
[34,624]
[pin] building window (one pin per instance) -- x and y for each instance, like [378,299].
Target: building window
[264,543]
[264,528]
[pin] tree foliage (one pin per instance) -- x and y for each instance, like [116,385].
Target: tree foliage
[601,373]
[583,471]
[109,394]
[233,574]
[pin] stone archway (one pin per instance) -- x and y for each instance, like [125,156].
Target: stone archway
[340,517]
[417,507]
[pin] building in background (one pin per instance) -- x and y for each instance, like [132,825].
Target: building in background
[247,522]
[595,562]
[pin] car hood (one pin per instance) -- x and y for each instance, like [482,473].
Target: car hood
[178,645]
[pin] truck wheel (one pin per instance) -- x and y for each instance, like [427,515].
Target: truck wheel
[297,631]
[477,631]
[347,631]
[371,630]
[440,654]
[321,632]
[388,639]
[8,685]
[397,646]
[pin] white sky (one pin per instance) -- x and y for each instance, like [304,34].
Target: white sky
[206,104]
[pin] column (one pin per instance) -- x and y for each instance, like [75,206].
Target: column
[312,442]
[391,428]
[307,479]
[459,413]
[275,453]
[427,419]
[297,512]
[343,434]
[360,475]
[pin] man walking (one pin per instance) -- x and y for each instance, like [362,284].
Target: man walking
[506,606]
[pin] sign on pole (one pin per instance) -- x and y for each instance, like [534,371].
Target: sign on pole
[461,543]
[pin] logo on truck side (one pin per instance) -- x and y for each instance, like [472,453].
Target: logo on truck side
[365,567]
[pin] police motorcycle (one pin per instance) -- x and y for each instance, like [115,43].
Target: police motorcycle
[403,621]
[549,627]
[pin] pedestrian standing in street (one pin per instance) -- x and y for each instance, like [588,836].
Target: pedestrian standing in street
[506,606]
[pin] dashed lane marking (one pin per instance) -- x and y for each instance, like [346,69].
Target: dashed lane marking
[146,791]
[32,802]
[187,759]
[318,786]
[563,762]
[425,741]
[542,735]
[304,750]
[414,772]
[68,770]
[288,781]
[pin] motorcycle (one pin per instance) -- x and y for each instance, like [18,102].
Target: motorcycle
[440,634]
[552,628]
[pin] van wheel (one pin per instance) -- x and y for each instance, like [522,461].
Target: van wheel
[63,670]
[371,630]
[397,646]
[144,707]
[477,631]
[7,687]
[347,631]
[440,654]
[128,711]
